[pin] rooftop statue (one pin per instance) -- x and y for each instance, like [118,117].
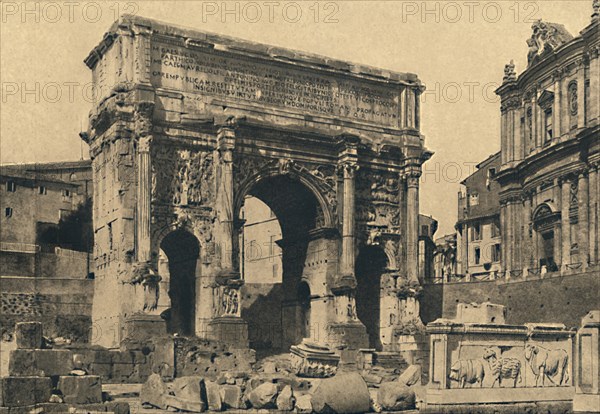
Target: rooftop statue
[545,38]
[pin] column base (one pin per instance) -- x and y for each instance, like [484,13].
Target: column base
[230,330]
[141,327]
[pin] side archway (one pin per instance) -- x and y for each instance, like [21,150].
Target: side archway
[182,251]
[371,264]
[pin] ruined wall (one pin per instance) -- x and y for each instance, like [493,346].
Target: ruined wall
[560,299]
[64,306]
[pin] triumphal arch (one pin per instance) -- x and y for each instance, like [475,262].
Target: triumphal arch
[187,125]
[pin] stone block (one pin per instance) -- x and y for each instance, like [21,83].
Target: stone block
[411,375]
[40,362]
[263,396]
[85,389]
[345,393]
[173,402]
[28,335]
[20,391]
[304,404]
[213,396]
[485,312]
[153,392]
[285,400]
[395,396]
[231,396]
[189,388]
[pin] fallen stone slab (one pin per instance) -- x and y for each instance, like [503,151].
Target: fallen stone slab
[345,393]
[188,388]
[263,396]
[85,389]
[231,396]
[182,404]
[304,404]
[213,396]
[28,335]
[395,396]
[285,400]
[153,392]
[21,391]
[411,376]
[40,362]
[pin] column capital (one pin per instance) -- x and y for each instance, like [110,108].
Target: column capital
[411,175]
[347,169]
[144,144]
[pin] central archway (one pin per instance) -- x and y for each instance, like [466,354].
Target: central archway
[277,301]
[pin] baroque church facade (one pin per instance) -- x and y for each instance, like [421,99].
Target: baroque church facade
[550,152]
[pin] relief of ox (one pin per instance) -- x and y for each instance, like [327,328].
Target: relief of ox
[547,363]
[467,371]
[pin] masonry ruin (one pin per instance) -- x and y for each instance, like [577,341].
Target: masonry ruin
[187,125]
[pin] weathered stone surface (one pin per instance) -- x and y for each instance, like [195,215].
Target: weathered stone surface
[285,401]
[28,335]
[153,392]
[304,404]
[269,367]
[178,403]
[213,396]
[411,376]
[263,396]
[344,393]
[395,396]
[19,391]
[61,408]
[40,362]
[188,388]
[231,396]
[81,389]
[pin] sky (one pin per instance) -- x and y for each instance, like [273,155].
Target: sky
[457,48]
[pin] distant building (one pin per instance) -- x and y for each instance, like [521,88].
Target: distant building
[445,259]
[46,237]
[427,228]
[478,241]
[261,253]
[34,198]
[550,140]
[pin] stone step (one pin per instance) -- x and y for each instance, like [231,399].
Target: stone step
[20,391]
[40,362]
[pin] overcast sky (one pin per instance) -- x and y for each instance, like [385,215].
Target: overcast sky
[458,49]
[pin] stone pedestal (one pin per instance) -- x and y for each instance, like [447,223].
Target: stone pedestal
[142,327]
[313,360]
[230,330]
[587,371]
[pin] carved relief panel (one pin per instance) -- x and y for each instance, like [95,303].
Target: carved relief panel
[377,201]
[182,177]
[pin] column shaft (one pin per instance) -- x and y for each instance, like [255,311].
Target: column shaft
[412,228]
[348,249]
[583,237]
[581,96]
[556,109]
[143,200]
[565,225]
[593,205]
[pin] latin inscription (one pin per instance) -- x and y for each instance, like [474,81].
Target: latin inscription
[271,85]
